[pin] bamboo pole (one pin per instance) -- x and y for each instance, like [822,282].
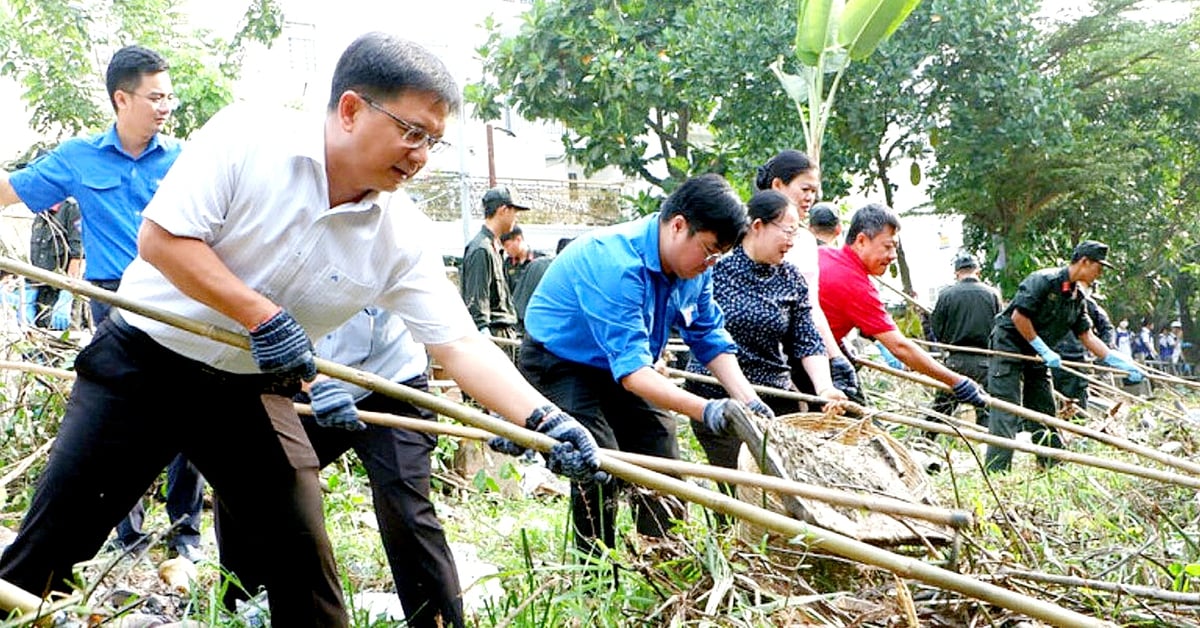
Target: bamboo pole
[975,433]
[1162,595]
[907,297]
[15,598]
[1152,374]
[954,518]
[1045,419]
[815,537]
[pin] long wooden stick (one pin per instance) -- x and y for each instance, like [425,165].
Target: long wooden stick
[882,504]
[816,537]
[1163,595]
[975,433]
[1152,374]
[1045,419]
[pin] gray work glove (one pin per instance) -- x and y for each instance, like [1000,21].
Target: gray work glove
[576,456]
[845,378]
[281,347]
[333,406]
[967,391]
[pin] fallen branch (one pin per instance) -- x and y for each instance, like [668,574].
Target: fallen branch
[1162,595]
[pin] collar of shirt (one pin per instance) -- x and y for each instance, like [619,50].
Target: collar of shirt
[649,248]
[111,139]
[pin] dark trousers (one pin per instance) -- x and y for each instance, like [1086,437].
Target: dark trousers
[133,408]
[617,419]
[1070,385]
[398,465]
[973,365]
[1028,384]
[185,500]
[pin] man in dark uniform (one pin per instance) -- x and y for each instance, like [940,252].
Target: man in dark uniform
[1049,303]
[1071,385]
[483,284]
[56,243]
[963,317]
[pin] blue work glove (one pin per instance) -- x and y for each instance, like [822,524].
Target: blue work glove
[281,347]
[1117,360]
[31,306]
[757,406]
[60,315]
[888,358]
[1052,359]
[333,406]
[967,391]
[845,378]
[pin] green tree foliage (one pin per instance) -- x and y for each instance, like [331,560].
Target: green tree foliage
[57,50]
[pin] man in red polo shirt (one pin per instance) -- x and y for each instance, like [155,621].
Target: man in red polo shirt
[850,299]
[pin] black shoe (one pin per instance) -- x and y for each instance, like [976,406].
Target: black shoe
[191,552]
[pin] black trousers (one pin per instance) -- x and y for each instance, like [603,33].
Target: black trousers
[185,500]
[973,365]
[134,406]
[398,465]
[1028,384]
[618,419]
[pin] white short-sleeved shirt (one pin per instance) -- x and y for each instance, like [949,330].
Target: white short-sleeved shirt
[252,186]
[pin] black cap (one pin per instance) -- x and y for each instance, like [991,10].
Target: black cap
[965,260]
[823,215]
[1093,250]
[499,196]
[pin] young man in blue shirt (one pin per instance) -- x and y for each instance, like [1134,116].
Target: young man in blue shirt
[113,175]
[600,318]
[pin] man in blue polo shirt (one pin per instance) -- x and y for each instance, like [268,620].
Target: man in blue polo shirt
[599,320]
[113,175]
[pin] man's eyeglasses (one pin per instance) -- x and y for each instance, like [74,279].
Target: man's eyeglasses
[414,136]
[787,231]
[711,257]
[168,102]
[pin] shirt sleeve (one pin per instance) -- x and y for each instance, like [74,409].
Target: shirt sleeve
[1030,294]
[46,182]
[476,274]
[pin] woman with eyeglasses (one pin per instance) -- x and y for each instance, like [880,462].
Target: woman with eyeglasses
[794,174]
[768,312]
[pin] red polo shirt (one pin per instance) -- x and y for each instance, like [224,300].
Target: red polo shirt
[848,296]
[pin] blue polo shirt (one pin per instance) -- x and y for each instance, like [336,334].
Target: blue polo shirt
[110,186]
[606,302]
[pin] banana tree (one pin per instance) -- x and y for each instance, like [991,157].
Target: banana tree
[829,35]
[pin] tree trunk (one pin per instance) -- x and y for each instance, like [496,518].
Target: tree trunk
[901,259]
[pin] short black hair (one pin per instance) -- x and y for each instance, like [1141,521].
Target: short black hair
[708,203]
[562,244]
[871,219]
[785,166]
[383,67]
[516,231]
[767,206]
[127,68]
[823,216]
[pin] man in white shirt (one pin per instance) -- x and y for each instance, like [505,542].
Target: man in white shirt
[284,226]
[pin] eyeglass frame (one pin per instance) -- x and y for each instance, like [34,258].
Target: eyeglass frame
[157,100]
[711,259]
[431,143]
[791,233]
